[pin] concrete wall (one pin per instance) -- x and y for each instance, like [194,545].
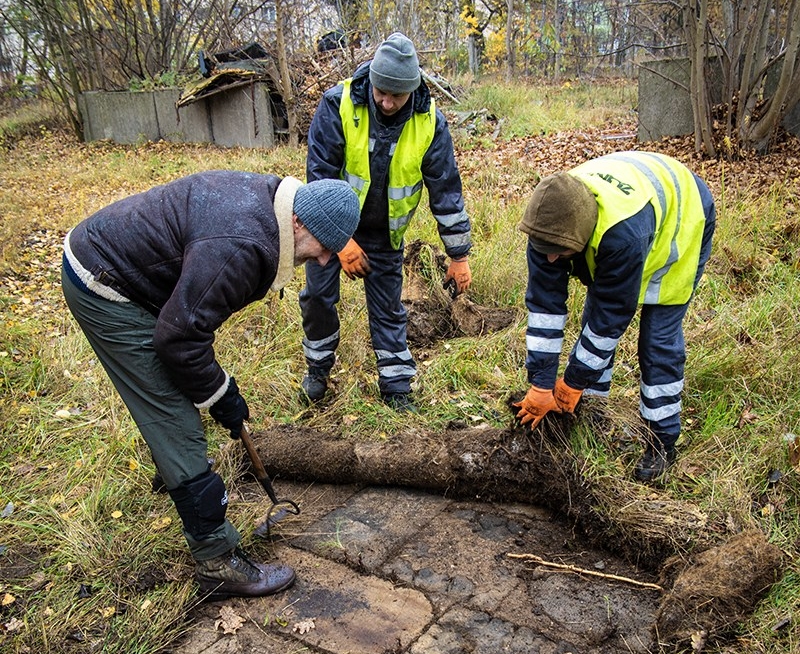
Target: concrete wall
[665,108]
[236,117]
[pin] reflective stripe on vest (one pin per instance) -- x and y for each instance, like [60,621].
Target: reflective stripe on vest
[405,167]
[623,184]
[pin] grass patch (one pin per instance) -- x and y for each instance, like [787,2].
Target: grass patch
[77,476]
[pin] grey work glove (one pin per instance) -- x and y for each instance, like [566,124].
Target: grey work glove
[231,410]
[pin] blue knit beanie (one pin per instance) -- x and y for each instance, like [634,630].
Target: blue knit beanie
[330,210]
[395,67]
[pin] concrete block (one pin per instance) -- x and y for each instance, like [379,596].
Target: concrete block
[122,117]
[189,124]
[242,117]
[665,108]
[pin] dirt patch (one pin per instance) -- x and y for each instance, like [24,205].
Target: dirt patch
[432,314]
[717,589]
[505,465]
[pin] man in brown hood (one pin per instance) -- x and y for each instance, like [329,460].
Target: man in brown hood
[636,229]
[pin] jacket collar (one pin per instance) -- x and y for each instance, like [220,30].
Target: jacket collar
[284,210]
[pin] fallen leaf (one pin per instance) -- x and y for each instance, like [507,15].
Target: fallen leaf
[145,605]
[162,523]
[229,620]
[133,464]
[7,600]
[108,611]
[699,640]
[14,624]
[304,626]
[793,445]
[63,413]
[116,514]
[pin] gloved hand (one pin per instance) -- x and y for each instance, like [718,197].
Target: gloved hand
[536,404]
[354,260]
[231,410]
[459,271]
[566,397]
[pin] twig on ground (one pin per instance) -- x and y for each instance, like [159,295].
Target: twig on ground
[583,571]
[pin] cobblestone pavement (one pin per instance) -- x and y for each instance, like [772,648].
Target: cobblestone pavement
[394,570]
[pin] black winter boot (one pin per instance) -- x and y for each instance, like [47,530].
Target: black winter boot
[400,402]
[233,574]
[315,385]
[654,462]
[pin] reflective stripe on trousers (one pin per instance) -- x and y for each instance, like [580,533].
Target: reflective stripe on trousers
[386,313]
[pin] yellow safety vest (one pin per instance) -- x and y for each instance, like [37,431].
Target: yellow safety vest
[623,184]
[405,168]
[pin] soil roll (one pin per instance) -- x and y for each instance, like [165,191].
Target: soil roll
[505,465]
[717,589]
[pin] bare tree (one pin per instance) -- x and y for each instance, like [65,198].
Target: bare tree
[696,26]
[755,46]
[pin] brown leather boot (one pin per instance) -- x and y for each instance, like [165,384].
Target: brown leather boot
[233,574]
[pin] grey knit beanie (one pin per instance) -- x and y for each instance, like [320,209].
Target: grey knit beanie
[561,215]
[330,210]
[395,67]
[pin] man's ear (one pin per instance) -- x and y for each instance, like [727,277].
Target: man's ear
[296,224]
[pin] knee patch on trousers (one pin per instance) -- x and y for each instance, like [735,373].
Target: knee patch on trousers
[201,503]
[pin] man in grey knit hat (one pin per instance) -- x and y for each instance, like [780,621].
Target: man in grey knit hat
[381,132]
[150,278]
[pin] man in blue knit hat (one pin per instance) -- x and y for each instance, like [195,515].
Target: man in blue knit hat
[381,132]
[150,278]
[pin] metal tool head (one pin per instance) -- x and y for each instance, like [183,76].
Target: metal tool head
[277,512]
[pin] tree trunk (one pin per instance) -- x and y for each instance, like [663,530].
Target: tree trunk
[473,54]
[286,79]
[510,57]
[696,22]
[756,133]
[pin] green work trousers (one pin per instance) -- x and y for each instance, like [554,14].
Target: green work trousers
[121,335]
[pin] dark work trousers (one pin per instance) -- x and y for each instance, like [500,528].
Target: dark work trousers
[662,350]
[387,319]
[121,335]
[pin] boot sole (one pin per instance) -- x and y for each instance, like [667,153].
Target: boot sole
[215,595]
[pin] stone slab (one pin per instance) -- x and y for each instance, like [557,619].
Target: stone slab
[242,117]
[371,525]
[120,117]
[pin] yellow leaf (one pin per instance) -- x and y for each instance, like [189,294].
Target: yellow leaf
[133,464]
[145,605]
[62,413]
[116,514]
[8,599]
[108,611]
[162,523]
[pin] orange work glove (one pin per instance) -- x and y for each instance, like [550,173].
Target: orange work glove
[354,260]
[566,397]
[536,404]
[459,272]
